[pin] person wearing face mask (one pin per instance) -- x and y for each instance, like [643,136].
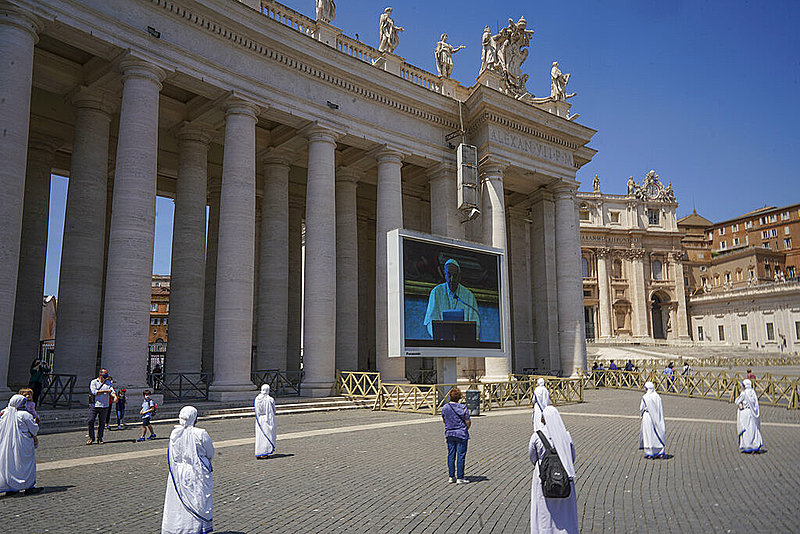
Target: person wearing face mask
[265,423]
[188,503]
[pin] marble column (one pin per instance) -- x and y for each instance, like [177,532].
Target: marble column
[519,256]
[126,314]
[210,288]
[233,316]
[571,333]
[319,288]
[681,323]
[33,248]
[445,219]
[543,277]
[347,279]
[18,35]
[638,293]
[294,334]
[493,213]
[604,292]
[185,347]
[389,213]
[81,280]
[273,273]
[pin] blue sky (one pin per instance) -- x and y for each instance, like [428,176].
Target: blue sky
[704,92]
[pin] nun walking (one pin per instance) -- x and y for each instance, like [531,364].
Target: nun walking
[188,506]
[18,448]
[553,515]
[748,419]
[652,436]
[265,423]
[541,400]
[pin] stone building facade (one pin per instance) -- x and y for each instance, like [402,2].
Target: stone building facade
[277,123]
[632,264]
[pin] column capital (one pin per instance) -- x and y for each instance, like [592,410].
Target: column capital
[188,131]
[135,67]
[603,252]
[388,154]
[443,169]
[276,156]
[94,98]
[563,190]
[239,106]
[14,16]
[348,175]
[491,168]
[321,133]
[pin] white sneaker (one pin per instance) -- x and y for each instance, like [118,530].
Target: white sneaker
[452,480]
[462,481]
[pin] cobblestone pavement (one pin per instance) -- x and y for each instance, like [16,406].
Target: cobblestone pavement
[362,471]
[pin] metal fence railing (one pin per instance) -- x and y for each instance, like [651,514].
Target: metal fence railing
[180,386]
[718,385]
[713,361]
[357,384]
[281,383]
[57,390]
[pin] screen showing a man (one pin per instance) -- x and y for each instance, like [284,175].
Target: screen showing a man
[450,297]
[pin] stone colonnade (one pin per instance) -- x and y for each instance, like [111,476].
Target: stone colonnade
[227,256]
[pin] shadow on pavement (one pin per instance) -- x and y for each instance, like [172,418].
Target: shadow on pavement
[479,478]
[273,456]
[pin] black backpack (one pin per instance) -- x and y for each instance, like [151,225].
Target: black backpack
[555,480]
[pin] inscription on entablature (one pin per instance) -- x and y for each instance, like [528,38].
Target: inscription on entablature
[531,147]
[605,239]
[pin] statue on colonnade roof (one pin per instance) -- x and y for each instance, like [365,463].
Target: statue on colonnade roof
[388,32]
[444,56]
[505,53]
[326,10]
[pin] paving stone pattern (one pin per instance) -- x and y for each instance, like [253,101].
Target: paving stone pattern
[395,479]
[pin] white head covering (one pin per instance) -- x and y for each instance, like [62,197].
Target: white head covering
[187,416]
[559,438]
[751,397]
[540,382]
[265,389]
[652,401]
[649,386]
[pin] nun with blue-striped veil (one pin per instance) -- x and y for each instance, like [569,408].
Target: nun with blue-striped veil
[652,439]
[265,423]
[188,506]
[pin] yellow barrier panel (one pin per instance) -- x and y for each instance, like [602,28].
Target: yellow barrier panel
[357,385]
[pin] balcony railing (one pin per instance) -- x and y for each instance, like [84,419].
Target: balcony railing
[288,17]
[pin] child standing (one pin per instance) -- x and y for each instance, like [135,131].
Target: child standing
[121,399]
[148,407]
[30,407]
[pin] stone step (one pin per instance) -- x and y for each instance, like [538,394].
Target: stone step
[53,421]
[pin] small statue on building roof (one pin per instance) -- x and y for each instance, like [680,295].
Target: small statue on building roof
[388,32]
[326,10]
[558,83]
[596,183]
[444,56]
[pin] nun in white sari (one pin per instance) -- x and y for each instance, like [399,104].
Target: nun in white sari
[265,423]
[553,515]
[748,420]
[653,434]
[17,450]
[541,400]
[188,507]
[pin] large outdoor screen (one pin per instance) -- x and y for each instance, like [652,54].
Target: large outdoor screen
[447,298]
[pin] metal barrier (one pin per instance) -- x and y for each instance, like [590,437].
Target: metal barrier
[718,385]
[516,391]
[57,390]
[181,386]
[357,384]
[281,383]
[423,376]
[713,361]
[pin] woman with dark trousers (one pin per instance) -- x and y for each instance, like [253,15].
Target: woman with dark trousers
[456,432]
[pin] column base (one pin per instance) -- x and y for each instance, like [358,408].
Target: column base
[316,389]
[231,392]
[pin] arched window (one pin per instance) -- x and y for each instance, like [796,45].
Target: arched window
[657,270]
[585,266]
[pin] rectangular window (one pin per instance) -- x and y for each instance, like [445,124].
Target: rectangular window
[765,244]
[614,216]
[797,330]
[154,321]
[710,236]
[764,234]
[153,307]
[773,232]
[744,333]
[735,228]
[770,332]
[787,243]
[721,329]
[735,241]
[722,231]
[584,215]
[699,333]
[748,225]
[785,230]
[772,218]
[762,221]
[785,216]
[746,240]
[652,217]
[723,245]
